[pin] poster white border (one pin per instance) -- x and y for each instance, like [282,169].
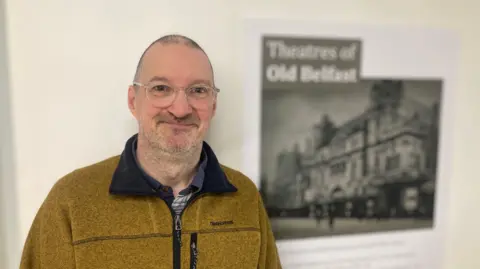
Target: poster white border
[388,51]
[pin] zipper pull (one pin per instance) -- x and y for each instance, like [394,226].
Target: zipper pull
[178,223]
[193,251]
[178,229]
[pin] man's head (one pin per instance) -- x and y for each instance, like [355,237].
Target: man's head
[173,96]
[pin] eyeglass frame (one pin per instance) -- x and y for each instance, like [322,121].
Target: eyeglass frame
[146,86]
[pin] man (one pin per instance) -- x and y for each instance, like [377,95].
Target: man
[166,201]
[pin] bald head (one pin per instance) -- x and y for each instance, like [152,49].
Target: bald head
[167,40]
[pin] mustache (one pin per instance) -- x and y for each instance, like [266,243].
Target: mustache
[187,120]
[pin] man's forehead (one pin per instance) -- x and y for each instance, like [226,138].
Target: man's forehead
[176,59]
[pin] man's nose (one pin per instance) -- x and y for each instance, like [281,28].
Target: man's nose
[180,106]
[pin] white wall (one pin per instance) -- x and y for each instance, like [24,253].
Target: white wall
[71,62]
[8,210]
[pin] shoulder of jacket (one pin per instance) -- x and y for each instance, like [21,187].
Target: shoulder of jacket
[92,176]
[240,180]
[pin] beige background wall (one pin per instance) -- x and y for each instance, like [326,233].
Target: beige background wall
[9,239]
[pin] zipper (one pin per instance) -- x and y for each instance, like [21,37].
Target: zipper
[178,229]
[177,232]
[177,239]
[193,251]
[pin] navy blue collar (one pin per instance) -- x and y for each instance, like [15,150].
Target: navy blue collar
[197,181]
[128,177]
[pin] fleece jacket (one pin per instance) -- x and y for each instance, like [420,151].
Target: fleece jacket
[104,216]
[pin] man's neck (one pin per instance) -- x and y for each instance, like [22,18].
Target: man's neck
[173,170]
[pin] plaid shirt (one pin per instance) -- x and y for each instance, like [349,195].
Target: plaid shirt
[181,200]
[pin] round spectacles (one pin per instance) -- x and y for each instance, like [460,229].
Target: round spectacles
[199,96]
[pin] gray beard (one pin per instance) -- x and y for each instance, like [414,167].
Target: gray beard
[158,149]
[168,163]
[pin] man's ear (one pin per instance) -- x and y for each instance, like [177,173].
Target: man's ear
[132,100]
[214,108]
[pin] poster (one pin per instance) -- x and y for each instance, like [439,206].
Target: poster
[348,137]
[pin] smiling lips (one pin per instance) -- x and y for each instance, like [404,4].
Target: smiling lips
[180,126]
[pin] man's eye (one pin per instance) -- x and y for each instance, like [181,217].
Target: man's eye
[199,89]
[160,88]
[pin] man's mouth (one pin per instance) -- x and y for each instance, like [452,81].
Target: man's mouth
[179,125]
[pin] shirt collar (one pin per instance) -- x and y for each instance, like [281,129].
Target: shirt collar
[128,178]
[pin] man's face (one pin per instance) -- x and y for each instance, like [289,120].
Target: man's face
[178,127]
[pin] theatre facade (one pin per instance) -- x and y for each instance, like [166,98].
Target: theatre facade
[379,164]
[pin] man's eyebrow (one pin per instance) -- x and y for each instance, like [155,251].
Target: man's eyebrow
[157,78]
[196,81]
[201,81]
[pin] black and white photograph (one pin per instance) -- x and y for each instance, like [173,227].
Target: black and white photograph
[351,158]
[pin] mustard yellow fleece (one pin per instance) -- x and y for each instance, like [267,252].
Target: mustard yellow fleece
[80,225]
